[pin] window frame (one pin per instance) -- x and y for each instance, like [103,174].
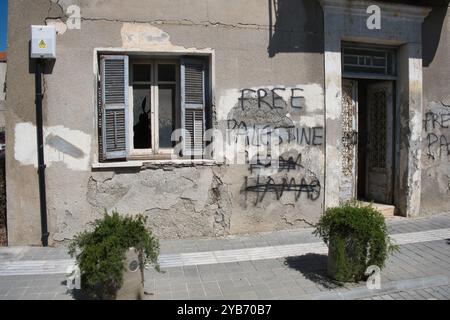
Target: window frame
[155,151]
[98,162]
[177,115]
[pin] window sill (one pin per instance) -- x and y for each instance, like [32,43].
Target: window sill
[121,164]
[143,163]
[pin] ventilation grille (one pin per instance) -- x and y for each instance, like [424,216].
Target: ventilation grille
[368,60]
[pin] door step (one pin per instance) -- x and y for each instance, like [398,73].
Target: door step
[385,209]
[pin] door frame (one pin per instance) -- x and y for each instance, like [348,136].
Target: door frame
[349,184]
[346,21]
[355,80]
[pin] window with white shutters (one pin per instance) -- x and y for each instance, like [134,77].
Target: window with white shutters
[142,100]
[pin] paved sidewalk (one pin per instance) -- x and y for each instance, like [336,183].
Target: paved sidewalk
[429,293]
[275,265]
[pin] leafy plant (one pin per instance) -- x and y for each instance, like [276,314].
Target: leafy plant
[100,253]
[357,237]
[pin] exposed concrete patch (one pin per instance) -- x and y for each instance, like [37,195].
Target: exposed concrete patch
[220,198]
[65,226]
[105,193]
[72,147]
[189,201]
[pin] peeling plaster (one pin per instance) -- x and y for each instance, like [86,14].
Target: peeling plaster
[59,25]
[71,147]
[179,203]
[142,36]
[137,35]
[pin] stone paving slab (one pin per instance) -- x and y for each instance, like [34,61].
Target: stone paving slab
[25,267]
[265,239]
[419,269]
[301,277]
[441,292]
[304,277]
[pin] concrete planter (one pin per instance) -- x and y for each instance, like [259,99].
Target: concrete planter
[349,267]
[133,277]
[331,263]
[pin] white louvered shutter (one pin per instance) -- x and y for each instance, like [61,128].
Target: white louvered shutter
[193,105]
[114,77]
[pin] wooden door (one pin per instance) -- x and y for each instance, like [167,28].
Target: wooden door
[380,142]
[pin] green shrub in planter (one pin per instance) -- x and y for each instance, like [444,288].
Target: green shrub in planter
[357,237]
[100,253]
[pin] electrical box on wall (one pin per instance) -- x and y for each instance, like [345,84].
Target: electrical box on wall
[43,42]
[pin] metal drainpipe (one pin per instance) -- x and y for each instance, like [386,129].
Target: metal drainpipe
[40,153]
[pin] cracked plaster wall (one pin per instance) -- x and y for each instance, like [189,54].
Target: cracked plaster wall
[181,201]
[186,201]
[436,118]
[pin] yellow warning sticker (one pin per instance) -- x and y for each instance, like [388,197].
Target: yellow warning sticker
[42,44]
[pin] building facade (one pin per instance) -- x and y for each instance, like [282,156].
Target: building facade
[223,117]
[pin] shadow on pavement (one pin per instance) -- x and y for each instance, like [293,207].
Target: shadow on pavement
[314,267]
[76,294]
